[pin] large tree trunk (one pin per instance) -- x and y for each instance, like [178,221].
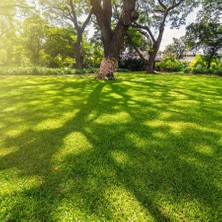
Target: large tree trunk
[109,63]
[107,69]
[112,38]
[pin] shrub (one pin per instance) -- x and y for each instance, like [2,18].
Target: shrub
[132,64]
[170,65]
[199,69]
[199,60]
[218,71]
[199,66]
[34,71]
[122,70]
[187,70]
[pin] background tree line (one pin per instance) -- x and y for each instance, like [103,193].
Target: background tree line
[56,33]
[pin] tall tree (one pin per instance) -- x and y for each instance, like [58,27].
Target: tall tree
[112,31]
[153,17]
[33,37]
[78,13]
[9,27]
[205,36]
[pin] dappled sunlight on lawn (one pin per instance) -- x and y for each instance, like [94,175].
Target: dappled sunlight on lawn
[142,148]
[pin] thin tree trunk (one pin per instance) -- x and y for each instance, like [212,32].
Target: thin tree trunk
[208,64]
[210,60]
[156,46]
[150,62]
[156,42]
[78,46]
[79,51]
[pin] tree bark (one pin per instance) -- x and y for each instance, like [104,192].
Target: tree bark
[164,10]
[79,51]
[151,62]
[107,69]
[112,38]
[209,61]
[156,45]
[78,46]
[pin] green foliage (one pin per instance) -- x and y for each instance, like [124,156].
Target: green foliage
[199,66]
[197,61]
[205,36]
[59,47]
[93,52]
[170,64]
[218,71]
[33,37]
[30,71]
[42,71]
[178,48]
[134,39]
[211,11]
[199,69]
[132,64]
[154,15]
[187,70]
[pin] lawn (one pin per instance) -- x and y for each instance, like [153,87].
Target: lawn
[141,148]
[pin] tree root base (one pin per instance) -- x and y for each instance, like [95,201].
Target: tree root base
[107,68]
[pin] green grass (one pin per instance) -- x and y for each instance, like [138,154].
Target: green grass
[141,148]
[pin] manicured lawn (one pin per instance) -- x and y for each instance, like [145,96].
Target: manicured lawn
[142,148]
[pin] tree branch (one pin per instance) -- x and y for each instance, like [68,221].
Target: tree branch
[102,20]
[136,25]
[161,30]
[136,48]
[74,14]
[162,5]
[175,4]
[97,9]
[139,53]
[87,20]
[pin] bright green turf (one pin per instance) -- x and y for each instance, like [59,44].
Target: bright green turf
[142,148]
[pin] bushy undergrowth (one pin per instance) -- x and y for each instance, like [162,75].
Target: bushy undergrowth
[42,71]
[199,66]
[170,64]
[199,69]
[132,64]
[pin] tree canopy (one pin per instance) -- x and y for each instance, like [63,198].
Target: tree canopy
[205,36]
[154,15]
[56,33]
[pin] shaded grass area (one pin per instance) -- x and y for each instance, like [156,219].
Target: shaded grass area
[142,148]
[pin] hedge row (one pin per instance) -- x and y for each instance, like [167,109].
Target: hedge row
[42,71]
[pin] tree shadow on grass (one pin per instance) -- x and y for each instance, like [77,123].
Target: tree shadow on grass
[129,166]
